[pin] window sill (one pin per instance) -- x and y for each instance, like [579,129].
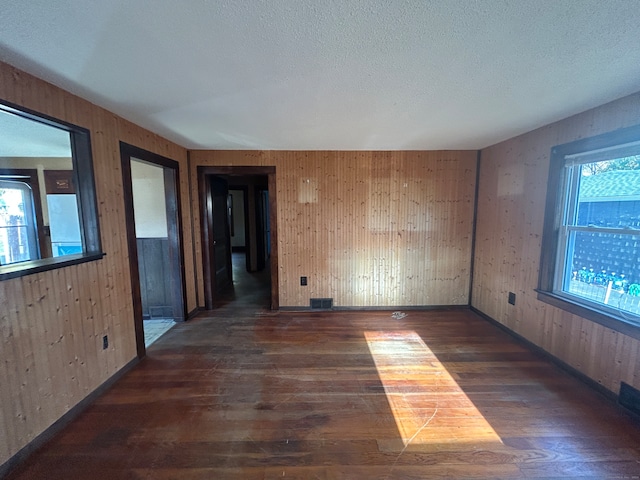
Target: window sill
[605,319]
[36,266]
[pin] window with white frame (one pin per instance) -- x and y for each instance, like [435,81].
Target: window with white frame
[18,234]
[591,245]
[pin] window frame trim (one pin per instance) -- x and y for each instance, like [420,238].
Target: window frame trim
[35,188]
[83,175]
[32,225]
[551,234]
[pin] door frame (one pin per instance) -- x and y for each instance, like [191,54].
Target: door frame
[206,222]
[172,197]
[261,227]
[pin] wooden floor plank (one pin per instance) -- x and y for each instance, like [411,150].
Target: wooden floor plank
[243,393]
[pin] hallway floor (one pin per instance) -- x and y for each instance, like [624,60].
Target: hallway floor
[249,290]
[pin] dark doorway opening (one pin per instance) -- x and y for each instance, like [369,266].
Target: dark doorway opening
[154,239]
[239,231]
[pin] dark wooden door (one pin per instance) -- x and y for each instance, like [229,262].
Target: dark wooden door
[262,227]
[221,234]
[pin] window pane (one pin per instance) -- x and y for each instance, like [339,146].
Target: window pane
[609,193]
[17,223]
[66,238]
[604,268]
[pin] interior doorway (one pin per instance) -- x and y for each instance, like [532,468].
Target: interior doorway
[151,190]
[239,232]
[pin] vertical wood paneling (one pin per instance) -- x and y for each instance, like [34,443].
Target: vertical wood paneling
[52,323]
[512,192]
[367,228]
[380,229]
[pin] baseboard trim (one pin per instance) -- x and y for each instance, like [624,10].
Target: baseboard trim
[194,312]
[552,358]
[38,442]
[375,309]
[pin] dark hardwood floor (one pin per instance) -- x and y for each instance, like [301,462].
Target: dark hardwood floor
[244,393]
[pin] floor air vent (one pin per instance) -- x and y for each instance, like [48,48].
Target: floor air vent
[321,303]
[629,398]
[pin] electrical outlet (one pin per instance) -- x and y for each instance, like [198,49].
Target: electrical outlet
[105,342]
[512,298]
[303,281]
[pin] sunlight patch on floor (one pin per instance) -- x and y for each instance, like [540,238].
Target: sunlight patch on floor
[428,405]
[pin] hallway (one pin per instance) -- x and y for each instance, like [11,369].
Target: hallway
[250,289]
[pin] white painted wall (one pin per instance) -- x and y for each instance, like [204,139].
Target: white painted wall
[149,200]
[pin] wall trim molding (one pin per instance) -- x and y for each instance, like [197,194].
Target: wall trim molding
[307,308]
[472,264]
[549,356]
[38,442]
[605,392]
[194,312]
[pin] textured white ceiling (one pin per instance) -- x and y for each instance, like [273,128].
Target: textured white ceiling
[20,137]
[331,74]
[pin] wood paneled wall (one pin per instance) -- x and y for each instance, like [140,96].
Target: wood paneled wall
[511,203]
[377,229]
[52,323]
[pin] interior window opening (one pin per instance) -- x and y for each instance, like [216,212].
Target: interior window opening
[48,208]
